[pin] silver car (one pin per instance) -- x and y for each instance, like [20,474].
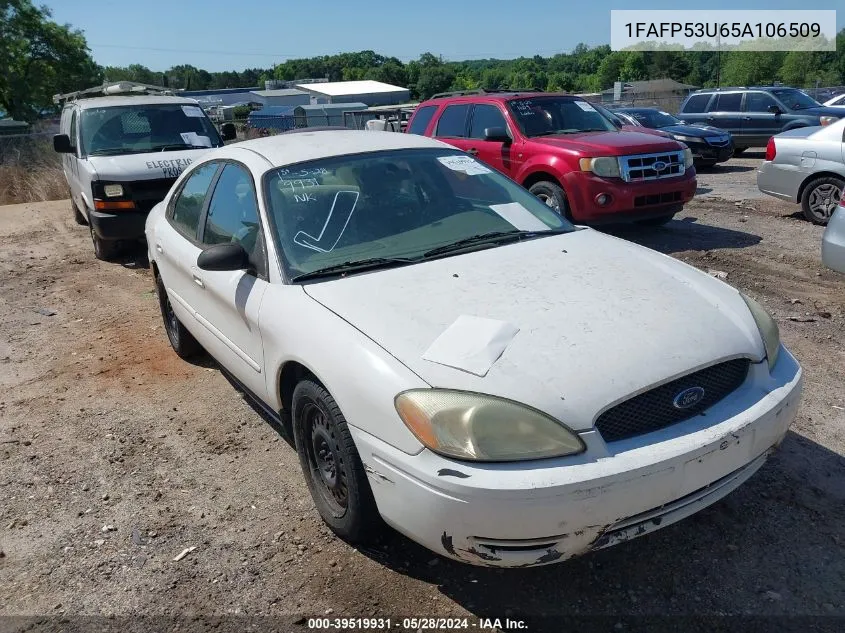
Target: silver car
[833,242]
[806,166]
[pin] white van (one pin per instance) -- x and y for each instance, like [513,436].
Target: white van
[121,154]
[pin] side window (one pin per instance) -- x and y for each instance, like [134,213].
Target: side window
[728,102]
[697,103]
[187,207]
[484,116]
[453,121]
[758,102]
[233,214]
[72,132]
[422,117]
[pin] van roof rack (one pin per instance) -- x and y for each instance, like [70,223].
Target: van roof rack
[114,88]
[482,91]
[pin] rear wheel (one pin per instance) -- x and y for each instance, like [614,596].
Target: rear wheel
[182,341]
[820,198]
[105,250]
[77,215]
[552,195]
[331,465]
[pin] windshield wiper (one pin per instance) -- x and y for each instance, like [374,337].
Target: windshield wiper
[114,151]
[356,266]
[171,146]
[494,238]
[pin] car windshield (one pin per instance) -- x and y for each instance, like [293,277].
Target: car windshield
[545,116]
[396,207]
[795,99]
[655,119]
[137,129]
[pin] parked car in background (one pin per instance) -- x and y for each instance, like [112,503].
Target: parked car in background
[710,145]
[806,166]
[121,154]
[565,152]
[626,124]
[833,241]
[514,390]
[837,102]
[754,115]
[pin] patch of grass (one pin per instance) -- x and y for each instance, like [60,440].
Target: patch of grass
[30,171]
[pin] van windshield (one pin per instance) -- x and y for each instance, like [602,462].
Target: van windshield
[136,129]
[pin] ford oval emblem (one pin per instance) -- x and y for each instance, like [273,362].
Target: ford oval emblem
[659,165]
[688,398]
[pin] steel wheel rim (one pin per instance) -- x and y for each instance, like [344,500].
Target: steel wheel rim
[549,201]
[824,199]
[325,459]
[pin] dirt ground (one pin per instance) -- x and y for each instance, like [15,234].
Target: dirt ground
[116,456]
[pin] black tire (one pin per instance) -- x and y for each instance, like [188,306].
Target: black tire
[331,465]
[820,198]
[705,164]
[739,150]
[78,217]
[658,221]
[552,195]
[182,341]
[105,250]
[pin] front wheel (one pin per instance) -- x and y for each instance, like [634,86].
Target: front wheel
[552,195]
[820,199]
[331,465]
[105,250]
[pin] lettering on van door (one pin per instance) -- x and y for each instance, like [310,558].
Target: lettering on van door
[170,168]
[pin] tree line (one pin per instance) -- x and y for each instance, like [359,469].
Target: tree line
[42,58]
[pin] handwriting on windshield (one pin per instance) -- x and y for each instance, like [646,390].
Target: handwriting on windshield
[343,206]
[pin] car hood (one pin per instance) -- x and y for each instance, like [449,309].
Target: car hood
[694,130]
[611,143]
[645,130]
[129,167]
[568,324]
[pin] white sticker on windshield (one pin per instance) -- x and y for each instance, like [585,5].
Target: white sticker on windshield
[466,164]
[521,218]
[586,107]
[195,140]
[192,111]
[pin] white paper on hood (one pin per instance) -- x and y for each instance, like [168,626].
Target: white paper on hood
[521,218]
[192,138]
[192,111]
[466,164]
[471,344]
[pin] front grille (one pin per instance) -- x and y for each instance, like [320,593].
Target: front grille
[716,141]
[655,409]
[658,198]
[652,166]
[148,193]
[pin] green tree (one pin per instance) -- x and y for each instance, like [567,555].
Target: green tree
[39,58]
[434,79]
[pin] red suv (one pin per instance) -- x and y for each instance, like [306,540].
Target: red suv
[565,152]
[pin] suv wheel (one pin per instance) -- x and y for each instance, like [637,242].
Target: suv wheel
[105,250]
[331,465]
[552,195]
[182,341]
[820,199]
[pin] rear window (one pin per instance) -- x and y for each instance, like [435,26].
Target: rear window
[696,103]
[453,121]
[421,119]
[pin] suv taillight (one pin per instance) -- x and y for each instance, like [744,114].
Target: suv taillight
[771,150]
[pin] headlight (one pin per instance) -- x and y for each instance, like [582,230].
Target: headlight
[686,139]
[687,158]
[113,191]
[768,329]
[604,166]
[827,120]
[477,427]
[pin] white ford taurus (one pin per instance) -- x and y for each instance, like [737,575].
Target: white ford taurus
[455,358]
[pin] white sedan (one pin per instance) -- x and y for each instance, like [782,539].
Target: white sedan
[455,358]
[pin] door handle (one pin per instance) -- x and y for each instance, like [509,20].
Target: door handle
[472,151]
[198,280]
[159,248]
[710,118]
[746,118]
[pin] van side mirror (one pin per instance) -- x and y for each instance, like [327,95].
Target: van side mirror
[62,144]
[228,132]
[230,256]
[775,109]
[498,134]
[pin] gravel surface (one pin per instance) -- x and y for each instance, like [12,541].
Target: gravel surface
[117,458]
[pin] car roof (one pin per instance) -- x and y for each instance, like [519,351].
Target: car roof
[107,102]
[741,88]
[495,97]
[287,149]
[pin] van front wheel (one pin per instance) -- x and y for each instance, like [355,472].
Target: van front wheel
[105,250]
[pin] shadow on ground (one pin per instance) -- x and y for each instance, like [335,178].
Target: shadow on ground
[685,234]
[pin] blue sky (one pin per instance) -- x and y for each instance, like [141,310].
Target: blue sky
[233,35]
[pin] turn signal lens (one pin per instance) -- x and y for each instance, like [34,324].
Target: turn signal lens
[104,205]
[604,166]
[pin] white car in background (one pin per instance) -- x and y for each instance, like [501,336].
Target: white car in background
[838,101]
[833,240]
[455,358]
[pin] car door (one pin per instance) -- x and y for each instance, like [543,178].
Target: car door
[71,160]
[228,302]
[726,112]
[758,122]
[497,154]
[452,125]
[177,245]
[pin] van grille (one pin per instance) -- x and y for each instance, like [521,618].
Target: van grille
[652,166]
[655,409]
[148,193]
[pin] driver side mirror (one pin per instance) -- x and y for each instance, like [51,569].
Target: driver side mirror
[230,256]
[62,144]
[228,132]
[774,109]
[497,134]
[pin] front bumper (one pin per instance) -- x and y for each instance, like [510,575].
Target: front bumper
[527,514]
[780,180]
[118,225]
[630,201]
[706,153]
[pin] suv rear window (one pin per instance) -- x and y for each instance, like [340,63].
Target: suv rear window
[453,121]
[696,103]
[421,119]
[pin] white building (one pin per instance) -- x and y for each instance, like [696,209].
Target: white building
[281,97]
[373,93]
